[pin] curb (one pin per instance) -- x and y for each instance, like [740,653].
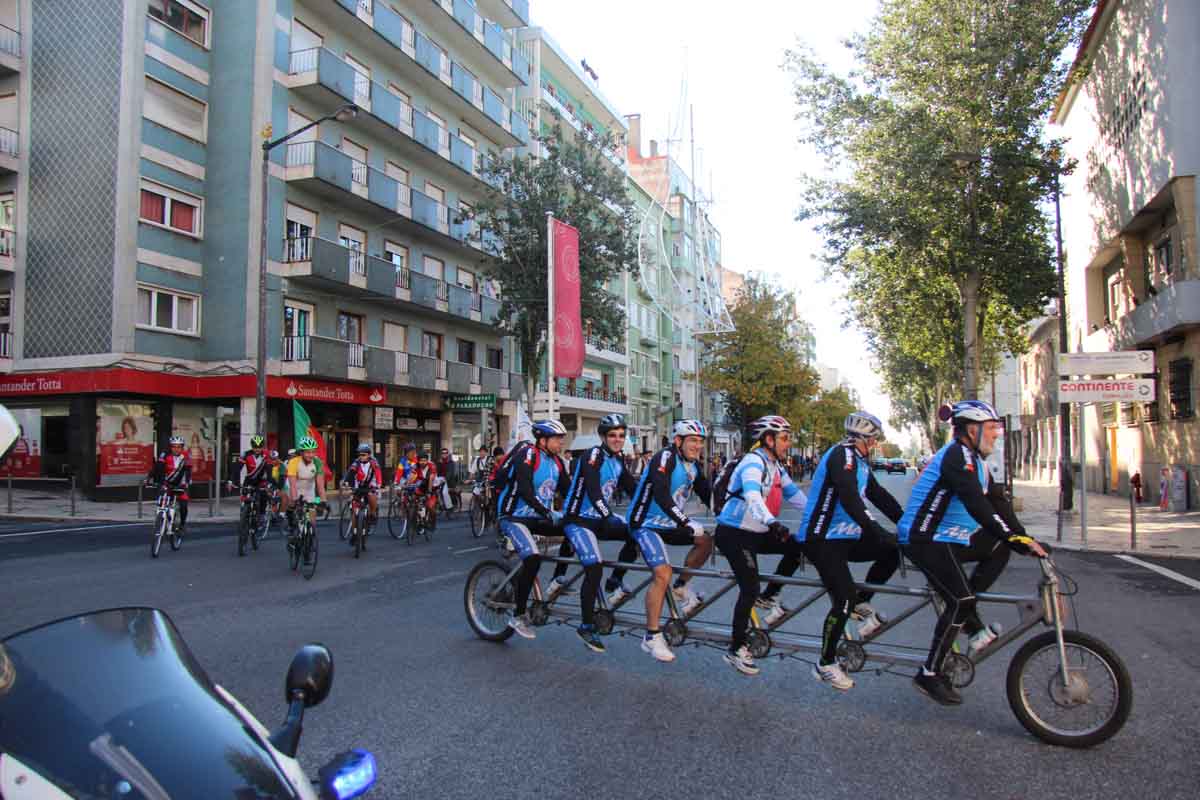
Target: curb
[1121,551]
[88,520]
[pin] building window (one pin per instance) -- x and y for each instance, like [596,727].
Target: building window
[465,279]
[5,312]
[431,345]
[175,110]
[164,310]
[1162,259]
[349,327]
[495,358]
[1180,388]
[466,351]
[171,209]
[190,19]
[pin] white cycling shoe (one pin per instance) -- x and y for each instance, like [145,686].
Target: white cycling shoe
[686,598]
[522,628]
[656,646]
[982,640]
[834,675]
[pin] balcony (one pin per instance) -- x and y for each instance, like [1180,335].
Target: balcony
[320,76]
[6,348]
[328,172]
[10,51]
[1175,309]
[488,46]
[321,356]
[9,141]
[604,350]
[581,397]
[396,42]
[509,13]
[327,265]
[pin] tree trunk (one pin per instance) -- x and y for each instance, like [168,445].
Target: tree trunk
[970,299]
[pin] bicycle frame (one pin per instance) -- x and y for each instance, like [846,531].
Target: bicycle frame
[1042,607]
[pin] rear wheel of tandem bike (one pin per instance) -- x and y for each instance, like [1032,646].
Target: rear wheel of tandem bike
[1086,709]
[489,606]
[161,524]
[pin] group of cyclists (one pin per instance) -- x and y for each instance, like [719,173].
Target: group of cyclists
[955,515]
[300,478]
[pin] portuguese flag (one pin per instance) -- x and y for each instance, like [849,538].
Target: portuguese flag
[304,427]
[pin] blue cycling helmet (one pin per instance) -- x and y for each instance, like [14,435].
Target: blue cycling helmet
[548,427]
[965,411]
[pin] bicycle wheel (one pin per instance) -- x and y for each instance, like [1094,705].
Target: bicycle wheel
[359,533]
[476,517]
[243,529]
[294,546]
[412,523]
[1092,705]
[256,525]
[488,599]
[396,522]
[344,521]
[309,560]
[176,538]
[160,529]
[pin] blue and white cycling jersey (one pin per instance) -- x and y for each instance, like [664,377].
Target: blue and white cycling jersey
[663,491]
[934,510]
[826,516]
[750,506]
[530,490]
[597,475]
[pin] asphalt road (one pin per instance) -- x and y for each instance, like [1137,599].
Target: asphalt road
[452,716]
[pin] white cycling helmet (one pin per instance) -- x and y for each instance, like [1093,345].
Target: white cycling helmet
[772,423]
[860,423]
[973,411]
[689,427]
[548,427]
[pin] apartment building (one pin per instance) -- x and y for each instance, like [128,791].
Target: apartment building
[560,93]
[1130,227]
[129,278]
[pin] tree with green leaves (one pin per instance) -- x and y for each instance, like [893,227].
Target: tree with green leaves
[936,139]
[575,180]
[757,365]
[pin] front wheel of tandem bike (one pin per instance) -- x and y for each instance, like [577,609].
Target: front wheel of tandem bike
[488,606]
[1084,710]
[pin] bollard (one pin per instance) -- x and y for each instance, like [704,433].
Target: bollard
[72,495]
[1133,543]
[212,491]
[140,485]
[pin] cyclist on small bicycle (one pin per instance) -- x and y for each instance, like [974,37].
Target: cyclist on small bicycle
[256,472]
[305,476]
[957,514]
[365,477]
[173,470]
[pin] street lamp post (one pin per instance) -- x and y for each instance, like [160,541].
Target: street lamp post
[346,112]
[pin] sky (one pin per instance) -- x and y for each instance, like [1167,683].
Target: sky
[657,57]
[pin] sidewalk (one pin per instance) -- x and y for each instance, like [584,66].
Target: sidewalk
[1159,533]
[55,505]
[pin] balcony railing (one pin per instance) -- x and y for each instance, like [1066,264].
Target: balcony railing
[588,392]
[5,345]
[10,41]
[297,348]
[303,60]
[358,171]
[358,260]
[301,154]
[7,241]
[401,362]
[476,374]
[8,141]
[354,354]
[477,302]
[297,248]
[605,344]
[440,369]
[403,278]
[443,291]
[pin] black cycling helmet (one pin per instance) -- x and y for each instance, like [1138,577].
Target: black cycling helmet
[611,422]
[257,441]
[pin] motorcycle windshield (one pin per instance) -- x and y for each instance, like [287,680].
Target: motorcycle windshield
[112,704]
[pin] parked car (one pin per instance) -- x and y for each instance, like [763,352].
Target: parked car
[879,463]
[897,465]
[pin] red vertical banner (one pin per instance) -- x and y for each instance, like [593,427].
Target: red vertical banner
[568,324]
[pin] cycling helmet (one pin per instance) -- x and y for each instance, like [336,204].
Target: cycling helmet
[176,440]
[768,424]
[363,449]
[548,427]
[408,448]
[689,427]
[860,423]
[291,452]
[611,422]
[275,454]
[307,443]
[965,411]
[257,440]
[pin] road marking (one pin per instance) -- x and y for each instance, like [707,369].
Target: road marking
[471,550]
[1169,573]
[441,577]
[69,530]
[414,561]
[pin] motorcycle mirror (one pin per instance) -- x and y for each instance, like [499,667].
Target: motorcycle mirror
[310,675]
[349,774]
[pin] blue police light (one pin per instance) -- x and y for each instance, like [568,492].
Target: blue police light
[349,774]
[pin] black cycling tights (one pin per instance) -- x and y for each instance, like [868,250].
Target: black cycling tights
[525,578]
[741,549]
[831,557]
[942,564]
